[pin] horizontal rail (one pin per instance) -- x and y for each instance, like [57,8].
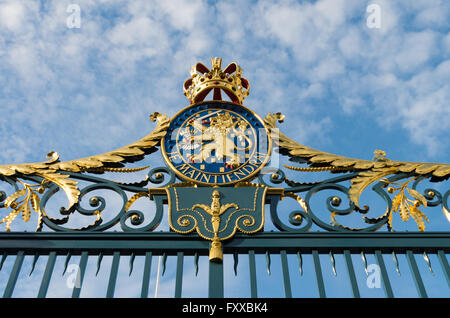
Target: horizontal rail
[140,243]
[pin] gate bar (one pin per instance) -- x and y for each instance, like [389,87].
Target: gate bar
[113,275]
[80,275]
[215,288]
[252,267]
[146,277]
[179,277]
[444,265]
[384,275]
[416,274]
[47,275]
[286,277]
[319,276]
[351,274]
[14,275]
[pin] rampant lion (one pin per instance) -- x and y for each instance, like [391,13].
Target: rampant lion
[221,130]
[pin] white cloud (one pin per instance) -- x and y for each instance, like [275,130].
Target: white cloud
[12,15]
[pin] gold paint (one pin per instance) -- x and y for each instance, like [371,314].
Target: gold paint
[203,80]
[215,210]
[405,206]
[49,170]
[257,166]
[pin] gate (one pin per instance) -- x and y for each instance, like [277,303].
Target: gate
[229,206]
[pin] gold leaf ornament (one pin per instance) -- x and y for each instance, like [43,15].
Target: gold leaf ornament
[51,169]
[370,171]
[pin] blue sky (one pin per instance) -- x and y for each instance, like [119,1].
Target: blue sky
[345,88]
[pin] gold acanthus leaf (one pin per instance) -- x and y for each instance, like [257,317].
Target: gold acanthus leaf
[371,170]
[49,170]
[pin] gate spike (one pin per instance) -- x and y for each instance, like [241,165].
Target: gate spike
[268,262]
[427,259]
[333,262]
[236,261]
[300,263]
[3,260]
[132,256]
[164,259]
[35,259]
[363,257]
[99,262]
[397,268]
[196,263]
[66,262]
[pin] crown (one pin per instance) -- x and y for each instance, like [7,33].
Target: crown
[203,81]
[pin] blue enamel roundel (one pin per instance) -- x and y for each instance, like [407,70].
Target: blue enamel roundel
[216,143]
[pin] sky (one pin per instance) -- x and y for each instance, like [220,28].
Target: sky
[346,83]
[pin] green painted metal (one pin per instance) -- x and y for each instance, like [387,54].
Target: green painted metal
[252,267]
[191,210]
[47,275]
[416,275]
[286,277]
[351,274]
[14,275]
[444,265]
[80,275]
[384,275]
[113,275]
[146,276]
[215,285]
[319,276]
[179,276]
[161,242]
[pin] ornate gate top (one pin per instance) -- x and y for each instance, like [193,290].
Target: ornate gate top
[220,146]
[229,80]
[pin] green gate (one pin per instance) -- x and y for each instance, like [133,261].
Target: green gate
[227,195]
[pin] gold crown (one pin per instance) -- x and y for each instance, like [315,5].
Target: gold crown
[203,80]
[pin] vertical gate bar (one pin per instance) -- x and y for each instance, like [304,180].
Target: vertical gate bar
[384,275]
[14,275]
[179,277]
[80,275]
[146,277]
[319,276]
[252,265]
[351,274]
[113,275]
[286,277]
[444,265]
[416,274]
[47,275]
[215,288]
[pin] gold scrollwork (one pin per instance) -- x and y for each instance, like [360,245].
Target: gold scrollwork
[369,171]
[50,171]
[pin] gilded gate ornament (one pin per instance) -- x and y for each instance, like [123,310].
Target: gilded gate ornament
[215,152]
[216,214]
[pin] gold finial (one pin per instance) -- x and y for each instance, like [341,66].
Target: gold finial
[204,80]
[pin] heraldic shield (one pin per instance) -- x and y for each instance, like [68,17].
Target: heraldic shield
[216,213]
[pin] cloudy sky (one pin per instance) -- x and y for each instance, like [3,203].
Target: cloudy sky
[351,76]
[345,86]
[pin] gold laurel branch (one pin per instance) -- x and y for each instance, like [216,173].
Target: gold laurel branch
[369,170]
[122,155]
[119,170]
[404,205]
[49,170]
[315,169]
[317,157]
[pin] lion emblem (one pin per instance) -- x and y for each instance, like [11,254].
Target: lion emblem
[216,137]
